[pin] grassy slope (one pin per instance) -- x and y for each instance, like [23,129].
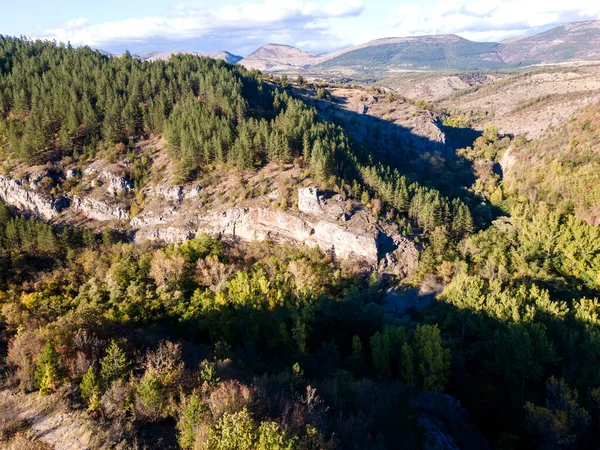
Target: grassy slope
[562,168]
[464,55]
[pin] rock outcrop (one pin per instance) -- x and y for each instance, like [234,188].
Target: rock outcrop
[174,214]
[308,201]
[99,210]
[508,159]
[447,425]
[15,194]
[319,223]
[115,182]
[176,193]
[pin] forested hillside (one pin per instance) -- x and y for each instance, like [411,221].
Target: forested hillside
[562,167]
[224,344]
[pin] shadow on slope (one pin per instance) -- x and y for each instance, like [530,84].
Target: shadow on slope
[425,153]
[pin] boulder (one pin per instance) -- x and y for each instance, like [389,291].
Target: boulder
[308,201]
[111,175]
[508,159]
[117,183]
[72,173]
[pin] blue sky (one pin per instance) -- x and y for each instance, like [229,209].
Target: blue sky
[242,26]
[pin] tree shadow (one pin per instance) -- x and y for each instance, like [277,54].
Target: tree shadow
[500,364]
[433,162]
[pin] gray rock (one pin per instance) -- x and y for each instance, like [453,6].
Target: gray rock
[116,183]
[172,193]
[72,173]
[257,224]
[176,193]
[508,159]
[153,218]
[99,210]
[14,194]
[190,193]
[170,235]
[308,201]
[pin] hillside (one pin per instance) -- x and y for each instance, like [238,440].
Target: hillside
[425,52]
[276,57]
[198,255]
[561,167]
[579,41]
[523,103]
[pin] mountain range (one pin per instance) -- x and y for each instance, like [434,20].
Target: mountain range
[156,56]
[575,41]
[578,41]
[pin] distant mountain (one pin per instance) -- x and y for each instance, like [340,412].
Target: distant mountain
[156,56]
[423,52]
[574,41]
[276,57]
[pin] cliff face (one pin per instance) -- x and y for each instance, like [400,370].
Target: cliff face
[318,222]
[174,214]
[17,195]
[100,210]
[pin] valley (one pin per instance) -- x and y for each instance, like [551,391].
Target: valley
[395,245]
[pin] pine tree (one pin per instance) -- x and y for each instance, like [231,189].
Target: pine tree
[47,371]
[115,365]
[380,351]
[89,385]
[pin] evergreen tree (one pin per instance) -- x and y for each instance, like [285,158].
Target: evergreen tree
[47,371]
[115,365]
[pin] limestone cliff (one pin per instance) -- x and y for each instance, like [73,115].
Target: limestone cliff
[16,194]
[318,222]
[174,214]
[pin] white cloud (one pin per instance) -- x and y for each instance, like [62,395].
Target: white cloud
[319,25]
[270,18]
[490,20]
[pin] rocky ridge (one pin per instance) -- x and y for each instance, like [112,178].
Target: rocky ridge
[174,214]
[318,222]
[16,194]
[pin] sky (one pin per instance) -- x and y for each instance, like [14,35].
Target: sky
[242,26]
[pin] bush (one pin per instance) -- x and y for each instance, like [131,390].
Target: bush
[116,400]
[24,350]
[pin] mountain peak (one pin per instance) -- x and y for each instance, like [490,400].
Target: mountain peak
[276,57]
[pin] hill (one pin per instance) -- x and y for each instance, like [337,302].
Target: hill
[570,42]
[424,52]
[195,255]
[576,41]
[276,57]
